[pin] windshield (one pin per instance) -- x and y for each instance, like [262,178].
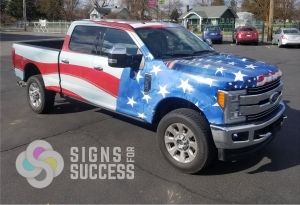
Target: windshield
[172,42]
[291,31]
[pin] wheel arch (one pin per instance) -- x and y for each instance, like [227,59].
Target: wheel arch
[30,69]
[167,105]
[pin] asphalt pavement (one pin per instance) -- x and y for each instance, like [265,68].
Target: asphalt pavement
[271,177]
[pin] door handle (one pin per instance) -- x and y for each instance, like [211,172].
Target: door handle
[66,61]
[97,67]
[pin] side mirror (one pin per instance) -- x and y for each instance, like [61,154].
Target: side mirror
[209,42]
[118,57]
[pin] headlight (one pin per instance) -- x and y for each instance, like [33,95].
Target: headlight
[229,101]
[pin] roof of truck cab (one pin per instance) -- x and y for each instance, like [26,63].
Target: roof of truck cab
[131,25]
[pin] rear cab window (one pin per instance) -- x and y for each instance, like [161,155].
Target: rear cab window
[86,39]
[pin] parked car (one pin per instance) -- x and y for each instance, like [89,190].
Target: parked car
[286,36]
[204,104]
[245,34]
[214,33]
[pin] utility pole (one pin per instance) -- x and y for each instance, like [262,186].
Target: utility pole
[24,15]
[270,23]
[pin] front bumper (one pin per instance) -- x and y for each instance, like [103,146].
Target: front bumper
[253,134]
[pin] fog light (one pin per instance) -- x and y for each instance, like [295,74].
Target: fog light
[242,136]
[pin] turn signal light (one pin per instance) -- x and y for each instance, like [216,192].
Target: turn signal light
[221,99]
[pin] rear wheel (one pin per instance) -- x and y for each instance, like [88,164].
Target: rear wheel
[40,100]
[185,140]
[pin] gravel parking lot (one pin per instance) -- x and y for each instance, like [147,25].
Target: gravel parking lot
[272,177]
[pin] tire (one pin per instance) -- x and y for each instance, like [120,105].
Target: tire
[192,156]
[40,100]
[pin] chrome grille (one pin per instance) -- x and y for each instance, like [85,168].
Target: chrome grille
[266,114]
[265,88]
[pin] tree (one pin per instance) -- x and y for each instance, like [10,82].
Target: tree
[233,5]
[260,8]
[69,8]
[285,9]
[51,9]
[15,9]
[218,3]
[201,3]
[175,15]
[3,5]
[170,5]
[137,8]
[100,3]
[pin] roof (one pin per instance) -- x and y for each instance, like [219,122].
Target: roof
[209,11]
[131,25]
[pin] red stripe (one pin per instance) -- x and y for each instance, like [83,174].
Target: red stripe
[66,43]
[100,79]
[117,25]
[45,68]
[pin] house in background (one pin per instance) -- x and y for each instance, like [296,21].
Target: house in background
[109,12]
[198,17]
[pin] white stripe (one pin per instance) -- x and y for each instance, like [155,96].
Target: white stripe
[19,73]
[51,80]
[90,61]
[84,89]
[140,25]
[41,55]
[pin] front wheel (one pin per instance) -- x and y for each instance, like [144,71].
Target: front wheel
[185,140]
[40,100]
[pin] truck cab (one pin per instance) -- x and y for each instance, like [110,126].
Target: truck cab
[204,104]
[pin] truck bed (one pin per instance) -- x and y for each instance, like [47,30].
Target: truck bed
[56,44]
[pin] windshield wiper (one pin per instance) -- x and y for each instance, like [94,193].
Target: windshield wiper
[177,55]
[203,52]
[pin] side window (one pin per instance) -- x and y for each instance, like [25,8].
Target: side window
[114,37]
[86,39]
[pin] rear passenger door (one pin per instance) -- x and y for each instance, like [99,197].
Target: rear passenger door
[85,73]
[80,76]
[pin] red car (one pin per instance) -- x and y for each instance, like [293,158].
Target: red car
[245,34]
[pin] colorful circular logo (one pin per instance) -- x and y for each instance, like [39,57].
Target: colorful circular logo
[39,164]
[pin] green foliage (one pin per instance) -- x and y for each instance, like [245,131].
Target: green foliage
[3,5]
[175,15]
[50,9]
[15,9]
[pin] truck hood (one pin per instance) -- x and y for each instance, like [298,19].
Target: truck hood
[227,71]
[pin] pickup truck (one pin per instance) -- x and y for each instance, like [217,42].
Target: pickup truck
[204,104]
